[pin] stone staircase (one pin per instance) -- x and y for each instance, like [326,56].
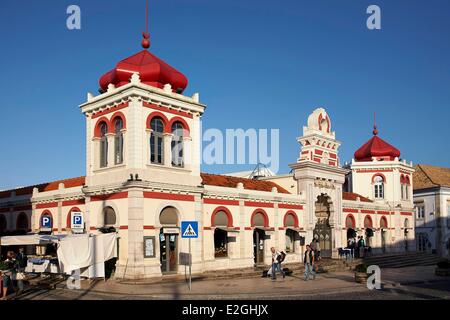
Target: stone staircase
[399,260]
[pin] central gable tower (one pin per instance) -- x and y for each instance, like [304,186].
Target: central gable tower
[320,177]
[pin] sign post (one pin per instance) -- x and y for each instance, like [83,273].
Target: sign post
[189,230]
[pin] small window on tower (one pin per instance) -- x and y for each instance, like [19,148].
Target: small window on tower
[118,141]
[103,145]
[156,141]
[378,187]
[177,144]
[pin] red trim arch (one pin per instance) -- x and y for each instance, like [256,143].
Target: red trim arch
[183,122]
[22,214]
[68,222]
[46,213]
[116,115]
[97,126]
[227,212]
[294,215]
[379,174]
[383,218]
[266,217]
[353,221]
[369,218]
[402,178]
[160,115]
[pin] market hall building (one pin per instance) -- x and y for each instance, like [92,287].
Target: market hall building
[143,178]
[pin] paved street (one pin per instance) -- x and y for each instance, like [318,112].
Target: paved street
[405,284]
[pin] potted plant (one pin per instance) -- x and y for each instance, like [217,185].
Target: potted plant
[443,268]
[361,273]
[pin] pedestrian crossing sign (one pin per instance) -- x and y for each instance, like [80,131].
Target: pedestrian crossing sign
[189,229]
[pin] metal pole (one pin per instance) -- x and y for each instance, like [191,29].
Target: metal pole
[190,264]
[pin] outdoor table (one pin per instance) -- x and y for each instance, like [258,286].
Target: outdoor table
[348,253]
[45,267]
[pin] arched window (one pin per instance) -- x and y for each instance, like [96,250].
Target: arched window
[3,224]
[118,141]
[22,222]
[156,141]
[103,145]
[368,222]
[378,187]
[407,188]
[177,144]
[169,217]
[260,219]
[350,222]
[109,217]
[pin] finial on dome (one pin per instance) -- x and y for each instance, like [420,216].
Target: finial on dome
[146,41]
[375,130]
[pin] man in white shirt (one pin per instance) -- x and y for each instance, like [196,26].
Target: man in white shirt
[276,265]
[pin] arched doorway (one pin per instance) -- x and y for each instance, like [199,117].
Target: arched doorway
[22,222]
[383,227]
[322,229]
[3,224]
[368,226]
[292,229]
[260,223]
[221,220]
[350,225]
[168,240]
[406,224]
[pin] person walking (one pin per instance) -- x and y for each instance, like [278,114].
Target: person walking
[308,260]
[21,264]
[276,263]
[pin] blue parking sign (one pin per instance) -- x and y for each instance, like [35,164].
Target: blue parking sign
[189,229]
[46,221]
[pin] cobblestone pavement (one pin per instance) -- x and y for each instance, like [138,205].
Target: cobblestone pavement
[398,284]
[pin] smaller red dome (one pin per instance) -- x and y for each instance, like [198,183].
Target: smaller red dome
[378,148]
[152,71]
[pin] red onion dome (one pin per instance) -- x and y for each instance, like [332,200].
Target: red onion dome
[378,148]
[152,71]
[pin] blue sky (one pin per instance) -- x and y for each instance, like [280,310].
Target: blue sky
[256,64]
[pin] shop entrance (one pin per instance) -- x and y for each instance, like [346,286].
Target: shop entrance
[258,246]
[168,252]
[168,240]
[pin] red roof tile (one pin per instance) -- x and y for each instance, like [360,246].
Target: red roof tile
[352,197]
[427,176]
[231,182]
[49,186]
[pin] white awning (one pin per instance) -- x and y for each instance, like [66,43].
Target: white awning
[31,239]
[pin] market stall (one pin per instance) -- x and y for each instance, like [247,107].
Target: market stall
[84,252]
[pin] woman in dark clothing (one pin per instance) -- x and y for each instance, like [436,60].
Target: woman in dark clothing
[8,273]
